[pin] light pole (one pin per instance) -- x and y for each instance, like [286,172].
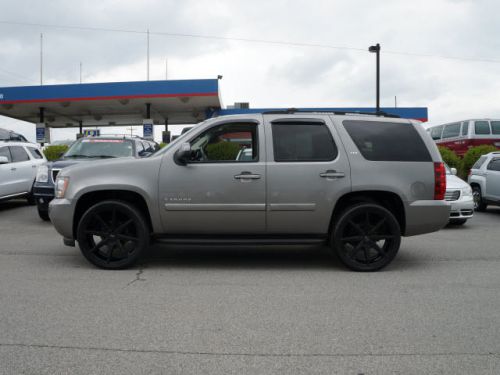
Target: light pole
[376,49]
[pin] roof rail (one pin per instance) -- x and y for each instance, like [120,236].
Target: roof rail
[290,111]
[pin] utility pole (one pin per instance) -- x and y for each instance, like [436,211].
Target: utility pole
[41,59]
[395,102]
[148,55]
[376,49]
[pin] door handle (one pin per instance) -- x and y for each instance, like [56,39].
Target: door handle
[247,176]
[331,173]
[13,169]
[33,166]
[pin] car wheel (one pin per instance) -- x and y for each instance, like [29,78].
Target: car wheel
[458,221]
[113,235]
[477,196]
[366,237]
[44,214]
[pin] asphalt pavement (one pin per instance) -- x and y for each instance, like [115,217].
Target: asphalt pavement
[253,310]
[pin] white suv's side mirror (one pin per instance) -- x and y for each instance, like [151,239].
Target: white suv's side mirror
[4,160]
[453,171]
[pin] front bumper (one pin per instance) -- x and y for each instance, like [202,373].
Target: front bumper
[43,194]
[61,213]
[426,216]
[462,208]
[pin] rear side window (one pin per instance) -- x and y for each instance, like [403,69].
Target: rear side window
[4,151]
[451,130]
[479,162]
[494,165]
[465,128]
[495,127]
[302,142]
[436,132]
[18,154]
[482,127]
[36,154]
[387,141]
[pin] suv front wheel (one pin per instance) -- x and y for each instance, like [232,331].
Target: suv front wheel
[479,204]
[113,234]
[366,237]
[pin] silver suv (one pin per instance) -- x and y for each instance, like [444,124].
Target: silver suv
[484,178]
[355,182]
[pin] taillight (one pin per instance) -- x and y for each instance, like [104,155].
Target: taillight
[439,181]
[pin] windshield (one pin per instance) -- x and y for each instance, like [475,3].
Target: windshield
[100,148]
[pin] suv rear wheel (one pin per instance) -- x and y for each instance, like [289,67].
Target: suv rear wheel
[112,234]
[477,196]
[366,237]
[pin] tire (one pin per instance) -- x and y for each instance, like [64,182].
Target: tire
[44,214]
[31,199]
[477,196]
[366,237]
[113,234]
[458,221]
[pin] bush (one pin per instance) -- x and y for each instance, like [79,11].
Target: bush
[475,153]
[450,158]
[222,151]
[54,152]
[162,144]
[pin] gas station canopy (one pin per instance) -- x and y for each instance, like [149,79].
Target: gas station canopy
[111,104]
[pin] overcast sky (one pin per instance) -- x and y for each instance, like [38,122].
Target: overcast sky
[269,75]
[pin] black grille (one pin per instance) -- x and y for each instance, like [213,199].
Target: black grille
[452,195]
[55,172]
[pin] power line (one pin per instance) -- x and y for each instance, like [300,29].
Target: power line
[250,40]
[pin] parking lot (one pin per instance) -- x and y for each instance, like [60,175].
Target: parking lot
[435,309]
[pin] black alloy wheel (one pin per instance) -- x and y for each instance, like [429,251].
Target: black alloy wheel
[366,237]
[477,197]
[113,234]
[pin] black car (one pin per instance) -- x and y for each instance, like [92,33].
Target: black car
[87,149]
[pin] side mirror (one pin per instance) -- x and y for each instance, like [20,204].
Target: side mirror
[182,155]
[4,160]
[453,171]
[145,154]
[60,154]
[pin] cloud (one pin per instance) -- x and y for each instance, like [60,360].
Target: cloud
[269,75]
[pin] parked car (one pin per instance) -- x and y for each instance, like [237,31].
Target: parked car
[355,182]
[85,150]
[9,135]
[484,178]
[462,135]
[459,194]
[18,165]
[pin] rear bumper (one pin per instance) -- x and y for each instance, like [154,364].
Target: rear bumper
[426,216]
[61,213]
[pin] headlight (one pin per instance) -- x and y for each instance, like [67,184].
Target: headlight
[466,191]
[61,186]
[42,174]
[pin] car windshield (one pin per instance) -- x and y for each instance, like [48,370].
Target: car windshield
[100,148]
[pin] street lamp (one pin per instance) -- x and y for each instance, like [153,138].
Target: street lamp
[376,49]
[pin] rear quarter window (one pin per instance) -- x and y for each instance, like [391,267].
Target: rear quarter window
[387,141]
[478,164]
[482,127]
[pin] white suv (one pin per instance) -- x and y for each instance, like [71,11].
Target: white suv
[484,178]
[19,162]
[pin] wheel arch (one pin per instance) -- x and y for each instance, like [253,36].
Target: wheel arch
[386,199]
[90,198]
